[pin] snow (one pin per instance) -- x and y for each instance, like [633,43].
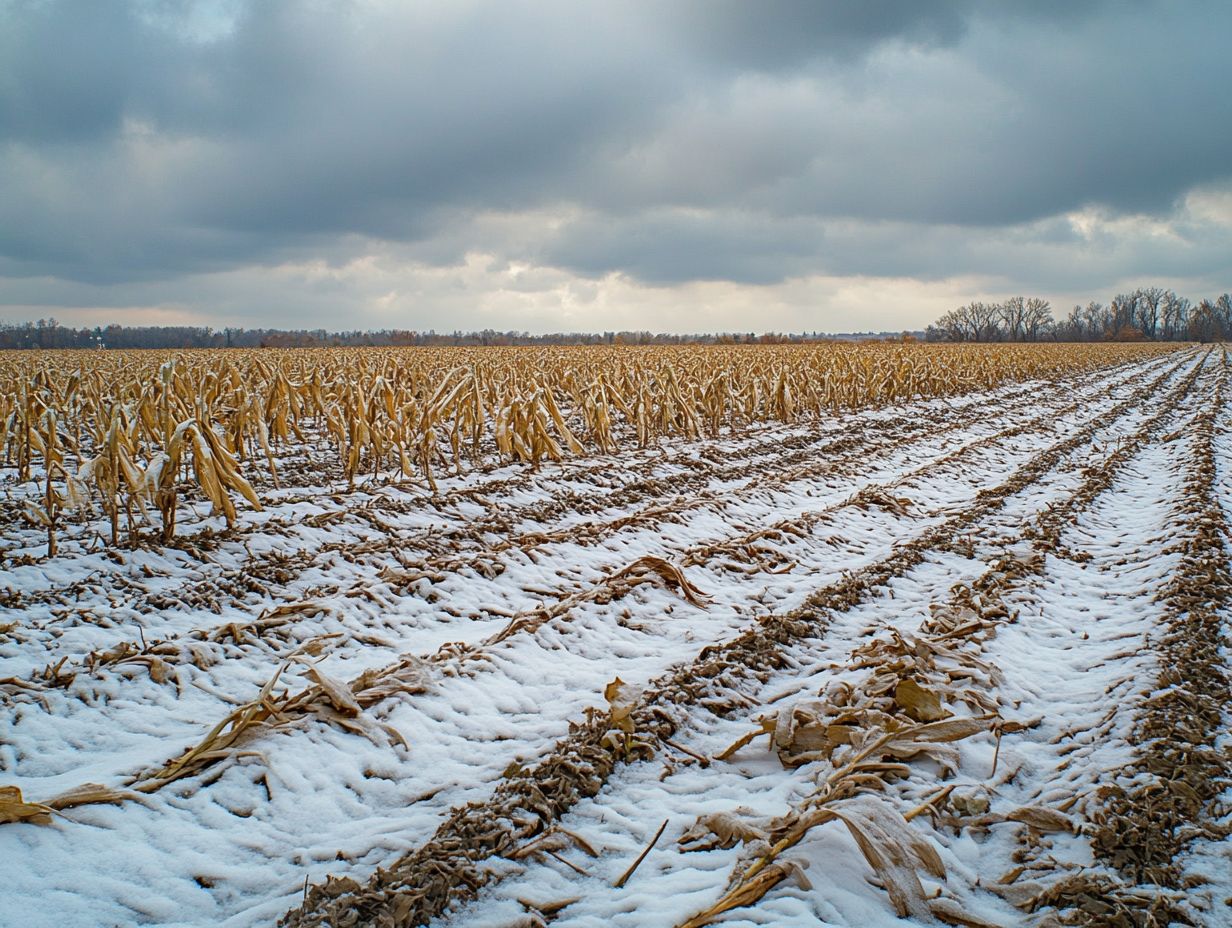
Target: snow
[234,844]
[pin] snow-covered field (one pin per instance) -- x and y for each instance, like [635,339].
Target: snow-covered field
[437,740]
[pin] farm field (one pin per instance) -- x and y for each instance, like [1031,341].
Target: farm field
[781,635]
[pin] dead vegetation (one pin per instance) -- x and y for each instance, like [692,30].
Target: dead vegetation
[448,867]
[859,738]
[760,550]
[905,704]
[131,432]
[1149,813]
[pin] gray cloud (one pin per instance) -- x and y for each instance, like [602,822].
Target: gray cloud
[142,144]
[781,36]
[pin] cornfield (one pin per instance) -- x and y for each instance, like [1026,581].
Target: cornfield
[129,432]
[854,634]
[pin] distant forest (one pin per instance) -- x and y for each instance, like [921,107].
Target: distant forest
[47,333]
[1147,314]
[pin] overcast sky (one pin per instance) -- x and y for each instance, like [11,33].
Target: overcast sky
[548,166]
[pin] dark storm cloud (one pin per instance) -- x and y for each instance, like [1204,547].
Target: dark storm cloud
[676,142]
[299,121]
[744,35]
[669,247]
[785,34]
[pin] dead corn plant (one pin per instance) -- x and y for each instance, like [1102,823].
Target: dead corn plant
[863,736]
[413,413]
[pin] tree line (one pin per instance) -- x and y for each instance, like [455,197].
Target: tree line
[47,333]
[1146,314]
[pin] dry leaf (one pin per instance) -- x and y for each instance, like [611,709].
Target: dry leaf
[621,699]
[950,912]
[751,891]
[893,849]
[1041,819]
[15,809]
[920,704]
[719,830]
[339,694]
[88,794]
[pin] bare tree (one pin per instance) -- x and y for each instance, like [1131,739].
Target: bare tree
[1202,322]
[1147,312]
[1223,315]
[1012,315]
[1036,319]
[984,321]
[1096,321]
[951,327]
[1147,301]
[1174,313]
[1071,328]
[1124,310]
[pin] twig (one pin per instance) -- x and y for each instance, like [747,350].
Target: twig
[931,801]
[579,841]
[624,878]
[572,866]
[703,761]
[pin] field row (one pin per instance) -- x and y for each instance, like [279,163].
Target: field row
[113,445]
[409,689]
[951,671]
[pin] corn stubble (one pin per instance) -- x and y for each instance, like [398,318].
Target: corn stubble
[910,704]
[925,692]
[133,434]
